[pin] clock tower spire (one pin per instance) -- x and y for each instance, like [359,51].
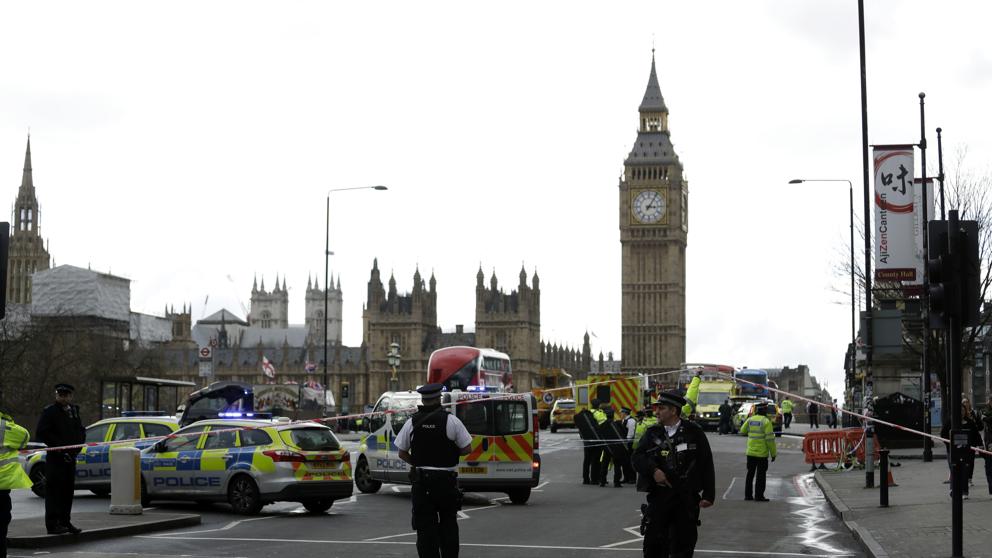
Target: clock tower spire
[653,231]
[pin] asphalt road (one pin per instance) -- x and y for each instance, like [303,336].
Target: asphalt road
[562,518]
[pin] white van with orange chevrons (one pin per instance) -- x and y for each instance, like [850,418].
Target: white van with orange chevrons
[504,456]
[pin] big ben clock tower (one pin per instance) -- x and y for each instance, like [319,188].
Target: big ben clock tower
[654,209]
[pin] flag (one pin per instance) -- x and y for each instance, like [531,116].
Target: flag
[267,368]
[310,367]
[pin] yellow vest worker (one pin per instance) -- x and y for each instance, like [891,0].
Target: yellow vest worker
[760,446]
[691,397]
[787,412]
[13,438]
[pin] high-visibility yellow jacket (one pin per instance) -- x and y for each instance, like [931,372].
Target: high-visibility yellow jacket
[13,438]
[642,427]
[760,436]
[599,415]
[691,397]
[786,405]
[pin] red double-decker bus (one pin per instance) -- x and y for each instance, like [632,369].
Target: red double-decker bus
[461,367]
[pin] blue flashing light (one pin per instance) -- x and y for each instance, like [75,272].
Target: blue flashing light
[475,388]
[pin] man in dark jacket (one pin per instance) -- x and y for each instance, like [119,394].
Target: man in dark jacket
[725,411]
[60,425]
[675,467]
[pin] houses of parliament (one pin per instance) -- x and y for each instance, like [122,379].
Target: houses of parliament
[653,223]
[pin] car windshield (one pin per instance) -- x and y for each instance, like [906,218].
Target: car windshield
[311,439]
[711,398]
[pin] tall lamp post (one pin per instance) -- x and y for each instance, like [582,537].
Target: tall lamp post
[854,307]
[393,358]
[327,255]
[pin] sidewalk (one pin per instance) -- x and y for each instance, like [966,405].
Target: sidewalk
[31,532]
[917,522]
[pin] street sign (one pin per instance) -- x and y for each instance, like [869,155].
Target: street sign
[206,369]
[205,353]
[548,397]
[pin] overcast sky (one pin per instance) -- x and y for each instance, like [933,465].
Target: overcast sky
[188,146]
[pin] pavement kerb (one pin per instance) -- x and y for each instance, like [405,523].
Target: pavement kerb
[863,536]
[143,524]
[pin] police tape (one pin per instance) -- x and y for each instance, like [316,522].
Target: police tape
[865,418]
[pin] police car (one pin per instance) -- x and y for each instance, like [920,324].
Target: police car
[504,455]
[93,462]
[248,463]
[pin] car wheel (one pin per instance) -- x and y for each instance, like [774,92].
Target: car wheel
[101,492]
[38,478]
[318,506]
[243,495]
[519,496]
[363,478]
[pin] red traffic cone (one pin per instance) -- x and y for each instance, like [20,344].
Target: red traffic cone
[891,481]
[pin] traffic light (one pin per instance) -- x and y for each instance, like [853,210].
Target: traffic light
[970,269]
[940,275]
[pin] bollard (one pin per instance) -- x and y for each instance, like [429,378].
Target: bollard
[883,477]
[125,481]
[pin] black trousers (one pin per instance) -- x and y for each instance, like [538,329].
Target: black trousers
[60,483]
[670,528]
[787,418]
[4,521]
[590,461]
[724,427]
[436,501]
[814,420]
[605,459]
[754,484]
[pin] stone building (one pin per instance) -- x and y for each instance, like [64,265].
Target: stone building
[511,323]
[654,226]
[269,309]
[27,253]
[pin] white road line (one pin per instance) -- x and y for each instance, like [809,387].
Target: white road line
[621,543]
[230,525]
[540,486]
[390,537]
[472,545]
[729,488]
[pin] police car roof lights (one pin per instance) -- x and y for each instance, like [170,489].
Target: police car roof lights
[145,414]
[243,415]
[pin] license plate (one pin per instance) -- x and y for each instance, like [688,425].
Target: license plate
[472,470]
[322,464]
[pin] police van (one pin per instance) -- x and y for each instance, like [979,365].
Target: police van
[248,463]
[504,455]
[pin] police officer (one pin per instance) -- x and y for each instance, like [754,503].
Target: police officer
[629,427]
[431,442]
[592,451]
[60,425]
[607,434]
[12,476]
[675,467]
[787,406]
[760,446]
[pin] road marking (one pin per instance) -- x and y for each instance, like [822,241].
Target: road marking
[390,537]
[230,525]
[473,545]
[725,494]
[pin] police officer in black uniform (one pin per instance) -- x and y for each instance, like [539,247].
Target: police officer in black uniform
[60,425]
[431,442]
[675,467]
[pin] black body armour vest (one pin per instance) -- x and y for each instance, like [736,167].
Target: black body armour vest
[430,446]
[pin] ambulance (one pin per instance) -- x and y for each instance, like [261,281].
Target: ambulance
[504,429]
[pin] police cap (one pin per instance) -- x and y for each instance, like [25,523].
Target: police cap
[625,410]
[671,399]
[64,388]
[428,391]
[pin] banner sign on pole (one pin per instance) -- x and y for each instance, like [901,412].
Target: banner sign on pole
[895,242]
[918,228]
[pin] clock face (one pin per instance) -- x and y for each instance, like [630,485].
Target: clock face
[648,206]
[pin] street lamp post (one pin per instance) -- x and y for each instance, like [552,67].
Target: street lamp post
[327,255]
[393,358]
[854,307]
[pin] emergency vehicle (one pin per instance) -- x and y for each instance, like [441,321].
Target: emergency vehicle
[504,429]
[93,462]
[248,463]
[619,390]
